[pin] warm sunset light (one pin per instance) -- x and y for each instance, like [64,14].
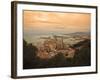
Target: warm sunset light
[39,23]
[56,20]
[57,38]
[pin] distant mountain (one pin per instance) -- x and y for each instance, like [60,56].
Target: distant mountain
[81,33]
[78,33]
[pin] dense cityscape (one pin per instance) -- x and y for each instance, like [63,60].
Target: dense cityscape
[54,47]
[60,44]
[56,39]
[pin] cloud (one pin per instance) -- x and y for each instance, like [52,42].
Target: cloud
[40,18]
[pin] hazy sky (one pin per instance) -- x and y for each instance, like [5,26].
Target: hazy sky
[46,20]
[39,22]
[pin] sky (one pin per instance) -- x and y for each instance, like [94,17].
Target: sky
[44,23]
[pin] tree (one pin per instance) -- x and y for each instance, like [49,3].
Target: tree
[29,54]
[83,56]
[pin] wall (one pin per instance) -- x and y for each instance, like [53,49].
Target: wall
[5,40]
